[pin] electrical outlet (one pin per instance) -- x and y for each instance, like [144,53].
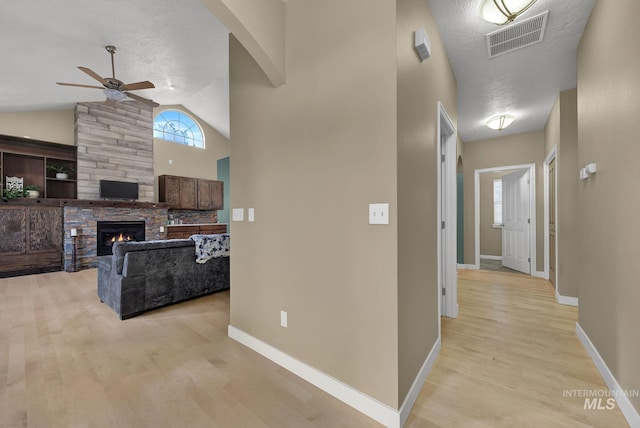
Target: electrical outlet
[251,214]
[283,319]
[161,229]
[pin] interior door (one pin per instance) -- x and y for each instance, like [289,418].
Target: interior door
[552,222]
[516,219]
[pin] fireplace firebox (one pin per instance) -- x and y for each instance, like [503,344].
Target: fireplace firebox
[109,232]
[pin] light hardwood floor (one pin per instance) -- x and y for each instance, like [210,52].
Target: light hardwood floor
[67,361]
[507,358]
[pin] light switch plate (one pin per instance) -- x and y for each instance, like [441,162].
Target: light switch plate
[378,213]
[238,214]
[250,214]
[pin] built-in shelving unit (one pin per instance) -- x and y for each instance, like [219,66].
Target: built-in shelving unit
[32,161]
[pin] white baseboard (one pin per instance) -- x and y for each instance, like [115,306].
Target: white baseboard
[371,407]
[469,267]
[412,395]
[538,274]
[629,412]
[566,300]
[490,257]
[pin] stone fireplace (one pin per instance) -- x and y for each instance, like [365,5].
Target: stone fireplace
[110,232]
[114,143]
[85,215]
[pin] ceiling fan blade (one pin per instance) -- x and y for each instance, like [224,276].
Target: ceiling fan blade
[79,86]
[110,102]
[93,74]
[138,85]
[142,100]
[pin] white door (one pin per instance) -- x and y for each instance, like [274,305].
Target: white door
[516,219]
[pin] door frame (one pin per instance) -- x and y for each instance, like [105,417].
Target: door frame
[545,170]
[532,206]
[447,304]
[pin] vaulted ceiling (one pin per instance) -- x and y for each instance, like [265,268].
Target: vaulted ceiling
[170,43]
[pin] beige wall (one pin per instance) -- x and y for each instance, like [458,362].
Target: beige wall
[420,86]
[561,131]
[189,161]
[260,28]
[490,237]
[516,149]
[51,125]
[310,156]
[609,232]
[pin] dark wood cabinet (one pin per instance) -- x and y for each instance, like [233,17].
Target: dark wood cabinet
[210,194]
[178,192]
[217,193]
[169,190]
[186,230]
[31,239]
[190,193]
[34,161]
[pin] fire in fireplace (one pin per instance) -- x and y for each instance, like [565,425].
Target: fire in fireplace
[109,232]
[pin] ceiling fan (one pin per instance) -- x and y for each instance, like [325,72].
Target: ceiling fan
[115,89]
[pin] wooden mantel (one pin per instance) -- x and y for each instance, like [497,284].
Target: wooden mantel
[84,203]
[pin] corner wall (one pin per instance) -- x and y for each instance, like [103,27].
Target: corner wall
[561,131]
[609,232]
[420,86]
[310,156]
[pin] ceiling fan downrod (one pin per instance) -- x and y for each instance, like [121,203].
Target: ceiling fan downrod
[112,50]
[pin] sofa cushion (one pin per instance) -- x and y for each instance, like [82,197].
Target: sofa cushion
[119,249]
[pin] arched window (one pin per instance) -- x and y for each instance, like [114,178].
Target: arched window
[176,126]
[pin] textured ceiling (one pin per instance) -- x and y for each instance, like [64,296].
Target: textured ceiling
[525,82]
[182,44]
[175,43]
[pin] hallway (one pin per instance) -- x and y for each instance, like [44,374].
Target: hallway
[507,360]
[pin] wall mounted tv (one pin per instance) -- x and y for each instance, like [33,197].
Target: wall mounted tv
[118,190]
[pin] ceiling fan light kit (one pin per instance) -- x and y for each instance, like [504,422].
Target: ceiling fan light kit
[115,90]
[114,94]
[500,121]
[502,12]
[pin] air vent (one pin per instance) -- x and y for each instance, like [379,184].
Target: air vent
[519,35]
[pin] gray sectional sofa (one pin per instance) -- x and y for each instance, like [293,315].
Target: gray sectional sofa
[145,275]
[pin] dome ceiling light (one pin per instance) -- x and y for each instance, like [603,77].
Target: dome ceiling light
[502,12]
[500,121]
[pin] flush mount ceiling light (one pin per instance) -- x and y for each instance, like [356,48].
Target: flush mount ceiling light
[502,12]
[500,121]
